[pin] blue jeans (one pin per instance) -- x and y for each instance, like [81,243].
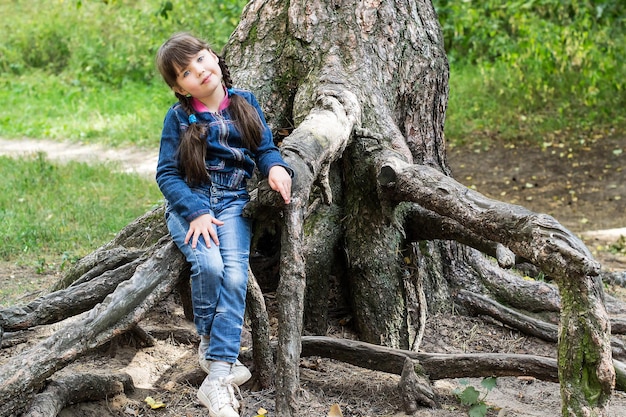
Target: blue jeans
[219,274]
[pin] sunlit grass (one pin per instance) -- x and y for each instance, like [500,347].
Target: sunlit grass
[43,106]
[48,210]
[484,106]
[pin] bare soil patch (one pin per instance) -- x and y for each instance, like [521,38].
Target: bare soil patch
[583,187]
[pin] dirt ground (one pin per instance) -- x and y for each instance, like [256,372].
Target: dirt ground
[583,187]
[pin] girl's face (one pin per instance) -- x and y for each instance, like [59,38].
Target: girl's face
[201,78]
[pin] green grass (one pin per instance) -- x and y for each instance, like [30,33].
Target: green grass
[484,106]
[84,70]
[39,105]
[60,212]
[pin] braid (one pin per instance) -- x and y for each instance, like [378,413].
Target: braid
[245,117]
[192,147]
[228,82]
[185,103]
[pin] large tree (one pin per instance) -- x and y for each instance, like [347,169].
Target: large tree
[357,93]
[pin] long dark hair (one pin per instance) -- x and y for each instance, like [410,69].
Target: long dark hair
[176,53]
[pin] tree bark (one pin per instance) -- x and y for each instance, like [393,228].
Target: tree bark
[290,297]
[58,305]
[415,388]
[542,240]
[436,366]
[77,388]
[479,304]
[256,310]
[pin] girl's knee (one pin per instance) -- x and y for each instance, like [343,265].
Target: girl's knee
[204,268]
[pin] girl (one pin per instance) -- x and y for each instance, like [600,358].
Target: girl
[212,139]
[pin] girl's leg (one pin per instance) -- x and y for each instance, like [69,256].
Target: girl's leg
[207,271]
[234,236]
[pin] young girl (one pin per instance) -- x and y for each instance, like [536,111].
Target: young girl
[212,139]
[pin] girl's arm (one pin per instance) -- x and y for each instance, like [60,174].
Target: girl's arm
[169,175]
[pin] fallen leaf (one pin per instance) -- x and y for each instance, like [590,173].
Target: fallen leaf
[154,404]
[335,411]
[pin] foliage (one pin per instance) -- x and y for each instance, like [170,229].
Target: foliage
[487,30]
[619,246]
[108,41]
[86,68]
[473,398]
[547,63]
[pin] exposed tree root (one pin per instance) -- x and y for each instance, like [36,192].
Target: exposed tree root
[440,366]
[415,388]
[435,365]
[76,388]
[262,352]
[118,313]
[59,305]
[479,304]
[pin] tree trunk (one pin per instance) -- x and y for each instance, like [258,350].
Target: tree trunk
[390,58]
[357,91]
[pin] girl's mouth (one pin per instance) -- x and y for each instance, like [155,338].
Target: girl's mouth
[206,79]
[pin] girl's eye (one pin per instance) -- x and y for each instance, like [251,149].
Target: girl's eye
[185,73]
[201,58]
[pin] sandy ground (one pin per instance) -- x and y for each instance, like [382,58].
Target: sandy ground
[130,160]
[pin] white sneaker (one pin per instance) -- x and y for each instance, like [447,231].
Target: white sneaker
[241,374]
[218,395]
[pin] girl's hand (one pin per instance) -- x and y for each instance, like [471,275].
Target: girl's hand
[203,226]
[280,180]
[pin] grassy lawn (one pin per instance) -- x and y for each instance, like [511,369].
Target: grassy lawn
[53,214]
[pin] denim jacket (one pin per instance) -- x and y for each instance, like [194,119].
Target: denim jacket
[228,162]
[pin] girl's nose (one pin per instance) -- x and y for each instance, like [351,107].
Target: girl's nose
[198,69]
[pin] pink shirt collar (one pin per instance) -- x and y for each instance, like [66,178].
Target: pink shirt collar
[199,106]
